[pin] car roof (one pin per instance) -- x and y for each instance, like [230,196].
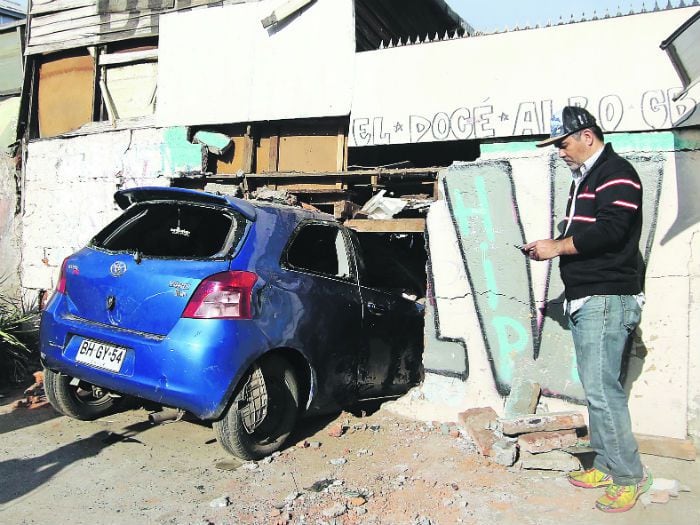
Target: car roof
[248,208]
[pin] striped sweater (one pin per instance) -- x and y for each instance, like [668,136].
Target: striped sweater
[606,228]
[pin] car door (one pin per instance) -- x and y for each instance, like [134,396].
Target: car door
[392,329]
[321,277]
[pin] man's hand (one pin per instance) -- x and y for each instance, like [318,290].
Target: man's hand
[545,249]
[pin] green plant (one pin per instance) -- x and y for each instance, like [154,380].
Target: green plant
[18,338]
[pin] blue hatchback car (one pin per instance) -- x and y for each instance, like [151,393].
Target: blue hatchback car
[243,313]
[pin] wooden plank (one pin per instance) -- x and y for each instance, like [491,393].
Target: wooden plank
[119,6]
[340,154]
[387,226]
[121,23]
[274,153]
[666,447]
[248,150]
[92,40]
[407,173]
[41,21]
[49,6]
[129,56]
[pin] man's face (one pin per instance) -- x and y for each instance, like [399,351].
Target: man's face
[574,150]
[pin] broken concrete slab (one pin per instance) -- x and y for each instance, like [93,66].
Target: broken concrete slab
[477,423]
[504,452]
[542,422]
[538,442]
[554,460]
[666,447]
[523,398]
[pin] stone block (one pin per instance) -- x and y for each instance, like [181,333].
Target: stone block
[504,452]
[542,422]
[538,442]
[554,460]
[522,399]
[477,423]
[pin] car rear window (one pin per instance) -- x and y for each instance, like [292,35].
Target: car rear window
[173,230]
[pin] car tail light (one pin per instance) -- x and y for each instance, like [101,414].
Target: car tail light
[224,295]
[61,284]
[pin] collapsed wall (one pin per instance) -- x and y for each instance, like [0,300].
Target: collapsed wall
[495,318]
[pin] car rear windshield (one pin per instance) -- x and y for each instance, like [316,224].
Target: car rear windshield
[173,230]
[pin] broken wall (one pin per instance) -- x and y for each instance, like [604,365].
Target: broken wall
[70,183]
[498,317]
[9,229]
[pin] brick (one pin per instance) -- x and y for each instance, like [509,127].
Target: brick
[522,399]
[554,460]
[336,430]
[537,442]
[542,422]
[477,423]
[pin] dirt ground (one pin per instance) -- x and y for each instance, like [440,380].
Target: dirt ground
[385,469]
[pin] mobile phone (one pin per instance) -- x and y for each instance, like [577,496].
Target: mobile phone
[520,247]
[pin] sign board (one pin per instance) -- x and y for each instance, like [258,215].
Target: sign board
[508,84]
[219,65]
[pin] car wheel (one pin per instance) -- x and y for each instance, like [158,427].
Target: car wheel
[82,401]
[263,412]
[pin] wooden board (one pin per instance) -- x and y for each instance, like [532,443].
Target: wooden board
[666,447]
[66,91]
[387,226]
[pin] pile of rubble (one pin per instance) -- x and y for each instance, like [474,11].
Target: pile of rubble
[533,441]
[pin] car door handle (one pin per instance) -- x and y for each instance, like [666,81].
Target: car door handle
[376,308]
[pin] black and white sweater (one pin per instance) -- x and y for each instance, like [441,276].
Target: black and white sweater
[606,228]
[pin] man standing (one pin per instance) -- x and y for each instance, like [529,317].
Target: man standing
[599,264]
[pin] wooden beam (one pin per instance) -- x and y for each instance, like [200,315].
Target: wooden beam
[248,150]
[274,153]
[666,447]
[129,56]
[387,226]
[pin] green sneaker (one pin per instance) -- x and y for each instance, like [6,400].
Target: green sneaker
[621,498]
[590,479]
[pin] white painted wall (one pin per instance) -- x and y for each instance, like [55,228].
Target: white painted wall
[70,184]
[507,84]
[231,69]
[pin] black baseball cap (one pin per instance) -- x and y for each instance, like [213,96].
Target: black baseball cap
[567,121]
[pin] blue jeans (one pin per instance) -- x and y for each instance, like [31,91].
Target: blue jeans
[601,329]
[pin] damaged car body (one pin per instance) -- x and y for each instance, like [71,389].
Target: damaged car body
[246,314]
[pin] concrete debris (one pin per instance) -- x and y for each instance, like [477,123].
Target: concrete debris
[314,444]
[504,452]
[320,485]
[523,399]
[303,444]
[542,422]
[251,465]
[278,196]
[337,430]
[554,460]
[338,461]
[223,501]
[336,510]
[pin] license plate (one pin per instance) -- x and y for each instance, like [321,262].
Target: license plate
[101,355]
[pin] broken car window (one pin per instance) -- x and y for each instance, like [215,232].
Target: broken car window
[170,230]
[320,248]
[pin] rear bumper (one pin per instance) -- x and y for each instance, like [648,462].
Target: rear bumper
[195,367]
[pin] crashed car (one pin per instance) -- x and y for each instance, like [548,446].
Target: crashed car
[243,313]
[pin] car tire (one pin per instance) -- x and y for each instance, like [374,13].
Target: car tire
[282,402]
[78,402]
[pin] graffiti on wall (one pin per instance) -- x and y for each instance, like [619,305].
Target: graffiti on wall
[655,109]
[520,315]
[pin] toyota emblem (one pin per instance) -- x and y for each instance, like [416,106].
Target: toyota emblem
[118,268]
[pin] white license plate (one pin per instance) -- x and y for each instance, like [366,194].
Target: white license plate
[101,355]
